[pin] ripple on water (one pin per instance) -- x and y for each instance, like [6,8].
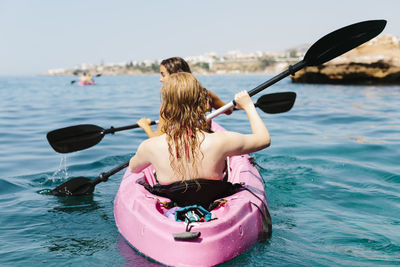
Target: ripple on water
[7,187]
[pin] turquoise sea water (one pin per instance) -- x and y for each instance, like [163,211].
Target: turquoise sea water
[332,172]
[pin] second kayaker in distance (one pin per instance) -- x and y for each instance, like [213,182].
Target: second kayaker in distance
[86,79]
[167,67]
[186,150]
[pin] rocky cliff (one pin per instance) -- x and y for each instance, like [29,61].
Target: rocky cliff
[375,62]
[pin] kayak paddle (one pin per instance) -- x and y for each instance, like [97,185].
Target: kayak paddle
[328,47]
[97,75]
[79,137]
[270,103]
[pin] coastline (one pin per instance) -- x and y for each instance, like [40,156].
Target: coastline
[375,62]
[231,63]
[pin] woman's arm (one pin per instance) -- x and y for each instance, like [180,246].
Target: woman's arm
[141,159]
[144,123]
[237,143]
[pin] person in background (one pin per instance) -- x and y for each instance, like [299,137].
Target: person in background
[168,67]
[86,78]
[186,150]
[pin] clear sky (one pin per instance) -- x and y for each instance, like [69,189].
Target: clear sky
[45,34]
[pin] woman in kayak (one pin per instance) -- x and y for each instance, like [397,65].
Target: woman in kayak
[186,150]
[167,67]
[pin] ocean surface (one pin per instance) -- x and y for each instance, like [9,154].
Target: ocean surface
[332,172]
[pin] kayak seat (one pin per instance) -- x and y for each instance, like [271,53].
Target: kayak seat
[201,192]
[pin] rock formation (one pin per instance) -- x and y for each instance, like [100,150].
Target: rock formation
[375,62]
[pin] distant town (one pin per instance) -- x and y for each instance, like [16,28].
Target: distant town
[234,62]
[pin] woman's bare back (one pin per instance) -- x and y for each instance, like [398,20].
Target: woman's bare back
[211,163]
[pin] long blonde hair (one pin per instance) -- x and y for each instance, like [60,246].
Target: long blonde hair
[183,109]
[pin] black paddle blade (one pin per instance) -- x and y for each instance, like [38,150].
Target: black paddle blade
[276,102]
[74,138]
[73,81]
[74,187]
[342,40]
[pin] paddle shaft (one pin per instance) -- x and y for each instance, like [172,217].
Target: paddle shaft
[290,71]
[113,130]
[103,177]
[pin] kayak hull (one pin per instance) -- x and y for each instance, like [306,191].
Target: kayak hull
[140,220]
[85,83]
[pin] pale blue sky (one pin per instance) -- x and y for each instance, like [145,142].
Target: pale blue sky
[44,34]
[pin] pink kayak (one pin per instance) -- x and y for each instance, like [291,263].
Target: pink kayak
[240,222]
[84,83]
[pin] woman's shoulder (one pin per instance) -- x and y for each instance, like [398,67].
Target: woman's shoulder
[153,141]
[157,142]
[152,146]
[222,137]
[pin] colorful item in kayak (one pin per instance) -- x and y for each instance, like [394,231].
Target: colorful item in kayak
[192,214]
[240,222]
